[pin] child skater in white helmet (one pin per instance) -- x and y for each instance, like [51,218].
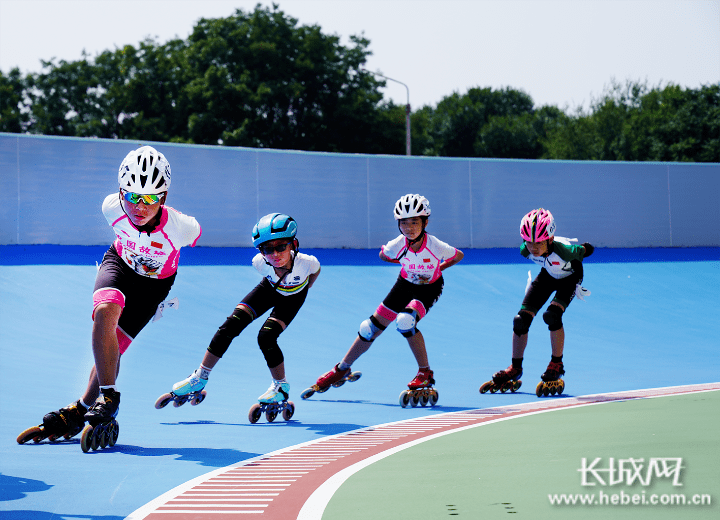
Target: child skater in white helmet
[422,258]
[135,276]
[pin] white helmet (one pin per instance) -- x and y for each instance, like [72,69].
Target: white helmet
[412,205]
[145,171]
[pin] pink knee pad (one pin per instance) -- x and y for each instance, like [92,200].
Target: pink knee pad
[112,295]
[418,307]
[107,295]
[385,312]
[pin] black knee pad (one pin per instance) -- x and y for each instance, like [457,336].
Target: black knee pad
[521,322]
[267,340]
[553,317]
[228,331]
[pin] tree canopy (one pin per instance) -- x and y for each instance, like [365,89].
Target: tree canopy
[259,79]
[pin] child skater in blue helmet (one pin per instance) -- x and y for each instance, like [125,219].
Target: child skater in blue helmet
[287,275]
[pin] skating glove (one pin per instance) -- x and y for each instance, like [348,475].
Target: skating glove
[588,249]
[170,304]
[581,292]
[529,281]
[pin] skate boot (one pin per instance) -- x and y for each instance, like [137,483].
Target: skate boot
[273,402]
[420,390]
[103,429]
[66,422]
[504,380]
[189,389]
[335,377]
[551,383]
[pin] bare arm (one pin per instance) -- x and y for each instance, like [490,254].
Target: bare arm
[386,258]
[313,277]
[459,255]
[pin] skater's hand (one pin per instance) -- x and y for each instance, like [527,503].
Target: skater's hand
[581,292]
[588,249]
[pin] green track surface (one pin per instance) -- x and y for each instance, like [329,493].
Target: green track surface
[510,467]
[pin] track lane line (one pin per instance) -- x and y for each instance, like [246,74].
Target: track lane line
[306,494]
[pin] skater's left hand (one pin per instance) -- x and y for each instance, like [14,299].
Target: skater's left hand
[581,292]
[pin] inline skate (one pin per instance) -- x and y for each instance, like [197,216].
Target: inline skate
[551,383]
[103,429]
[503,381]
[66,422]
[335,378]
[272,403]
[189,389]
[420,390]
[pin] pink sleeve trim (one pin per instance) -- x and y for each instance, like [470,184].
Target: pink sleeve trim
[198,237]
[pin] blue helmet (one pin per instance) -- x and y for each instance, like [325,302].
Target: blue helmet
[272,227]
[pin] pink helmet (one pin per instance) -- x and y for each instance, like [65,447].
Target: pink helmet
[537,226]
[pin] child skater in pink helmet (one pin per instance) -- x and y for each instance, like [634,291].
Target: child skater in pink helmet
[561,273]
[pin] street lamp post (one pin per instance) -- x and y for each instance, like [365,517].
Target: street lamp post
[407,109]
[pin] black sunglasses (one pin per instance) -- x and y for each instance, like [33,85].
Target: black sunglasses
[268,250]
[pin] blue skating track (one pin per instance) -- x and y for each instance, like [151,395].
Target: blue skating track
[650,322]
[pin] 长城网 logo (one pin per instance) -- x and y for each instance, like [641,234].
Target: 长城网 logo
[627,472]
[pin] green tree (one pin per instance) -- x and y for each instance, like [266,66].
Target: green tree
[253,79]
[484,123]
[14,103]
[632,122]
[518,136]
[66,99]
[261,80]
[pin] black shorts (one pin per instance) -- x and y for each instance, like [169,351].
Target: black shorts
[544,285]
[265,297]
[142,294]
[403,292]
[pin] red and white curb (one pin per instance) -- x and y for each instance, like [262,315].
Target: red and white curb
[298,482]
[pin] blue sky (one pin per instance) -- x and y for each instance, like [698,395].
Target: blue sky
[560,52]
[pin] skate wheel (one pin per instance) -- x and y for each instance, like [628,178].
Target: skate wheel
[199,398]
[103,439]
[270,415]
[561,389]
[34,433]
[179,401]
[307,393]
[163,401]
[338,384]
[86,439]
[354,376]
[504,388]
[539,389]
[516,386]
[322,390]
[404,398]
[289,411]
[95,438]
[486,387]
[434,396]
[424,400]
[254,414]
[113,433]
[546,391]
[414,400]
